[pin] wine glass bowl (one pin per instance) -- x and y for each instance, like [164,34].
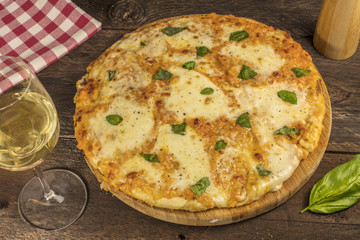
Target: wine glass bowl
[29,130]
[29,127]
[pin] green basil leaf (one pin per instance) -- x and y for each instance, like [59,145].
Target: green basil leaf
[239,35]
[299,72]
[207,91]
[221,144]
[288,96]
[262,171]
[142,43]
[339,189]
[189,65]
[179,128]
[114,119]
[244,120]
[201,186]
[246,73]
[150,157]
[162,75]
[202,51]
[170,31]
[111,75]
[286,131]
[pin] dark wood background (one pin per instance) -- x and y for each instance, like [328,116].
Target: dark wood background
[107,217]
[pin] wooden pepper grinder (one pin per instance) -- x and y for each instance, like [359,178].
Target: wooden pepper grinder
[337,31]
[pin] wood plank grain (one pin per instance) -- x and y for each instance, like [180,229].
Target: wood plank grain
[297,16]
[108,218]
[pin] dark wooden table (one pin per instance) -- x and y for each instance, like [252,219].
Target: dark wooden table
[107,217]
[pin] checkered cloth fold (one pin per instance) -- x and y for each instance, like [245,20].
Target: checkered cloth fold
[41,31]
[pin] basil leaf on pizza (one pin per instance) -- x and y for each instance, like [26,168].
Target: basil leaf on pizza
[150,157]
[221,144]
[142,44]
[162,75]
[287,96]
[246,73]
[244,120]
[262,171]
[170,31]
[114,119]
[201,186]
[207,91]
[111,74]
[189,65]
[202,51]
[239,35]
[339,189]
[286,131]
[299,72]
[179,128]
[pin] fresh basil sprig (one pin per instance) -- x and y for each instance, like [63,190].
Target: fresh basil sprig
[202,51]
[162,75]
[246,73]
[170,31]
[286,131]
[262,171]
[114,119]
[221,144]
[299,72]
[190,65]
[150,157]
[179,128]
[111,74]
[239,35]
[288,96]
[337,190]
[207,91]
[201,186]
[244,120]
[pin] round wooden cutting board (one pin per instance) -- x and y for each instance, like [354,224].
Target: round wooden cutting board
[221,216]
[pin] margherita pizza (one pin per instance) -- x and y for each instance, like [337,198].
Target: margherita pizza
[198,112]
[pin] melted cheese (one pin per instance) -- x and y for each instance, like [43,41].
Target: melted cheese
[283,161]
[131,43]
[155,47]
[186,101]
[129,75]
[262,58]
[191,38]
[135,128]
[186,40]
[189,151]
[157,42]
[201,63]
[268,112]
[151,172]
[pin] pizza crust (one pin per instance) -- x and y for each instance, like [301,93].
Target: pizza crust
[234,180]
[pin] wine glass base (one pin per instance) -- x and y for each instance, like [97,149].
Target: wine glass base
[53,214]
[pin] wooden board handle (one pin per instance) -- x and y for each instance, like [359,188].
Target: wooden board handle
[337,31]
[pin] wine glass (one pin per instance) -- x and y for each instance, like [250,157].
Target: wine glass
[29,130]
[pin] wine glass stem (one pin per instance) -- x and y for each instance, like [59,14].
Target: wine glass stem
[49,194]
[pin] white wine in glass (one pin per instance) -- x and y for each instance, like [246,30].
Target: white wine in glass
[29,130]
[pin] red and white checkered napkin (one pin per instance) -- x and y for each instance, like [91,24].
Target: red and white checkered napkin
[42,31]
